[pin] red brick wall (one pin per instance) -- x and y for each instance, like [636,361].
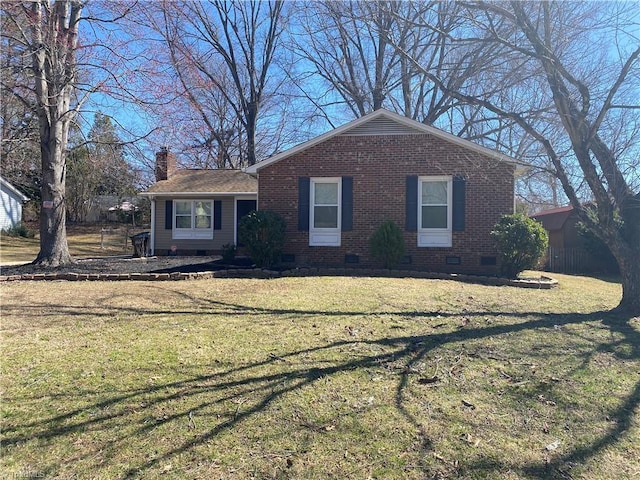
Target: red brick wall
[379,166]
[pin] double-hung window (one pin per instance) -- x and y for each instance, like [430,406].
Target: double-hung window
[193,219]
[325,212]
[434,212]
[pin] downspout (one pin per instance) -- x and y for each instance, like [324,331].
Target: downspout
[235,220]
[153,226]
[258,192]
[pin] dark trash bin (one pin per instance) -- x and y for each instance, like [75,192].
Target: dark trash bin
[140,242]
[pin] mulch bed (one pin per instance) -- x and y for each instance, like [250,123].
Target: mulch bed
[184,268]
[120,265]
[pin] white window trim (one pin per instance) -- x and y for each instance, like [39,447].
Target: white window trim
[436,237]
[192,233]
[324,237]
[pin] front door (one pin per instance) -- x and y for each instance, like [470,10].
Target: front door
[243,207]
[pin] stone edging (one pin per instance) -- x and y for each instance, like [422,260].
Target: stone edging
[544,283]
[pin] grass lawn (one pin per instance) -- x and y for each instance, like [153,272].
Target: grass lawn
[84,241]
[318,378]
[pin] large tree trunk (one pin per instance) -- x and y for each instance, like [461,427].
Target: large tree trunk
[250,130]
[53,43]
[602,172]
[626,250]
[630,273]
[54,250]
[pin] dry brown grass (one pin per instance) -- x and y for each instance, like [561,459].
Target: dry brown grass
[84,242]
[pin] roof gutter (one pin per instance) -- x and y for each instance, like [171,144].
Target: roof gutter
[153,195]
[23,198]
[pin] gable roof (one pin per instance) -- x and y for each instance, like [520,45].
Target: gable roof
[16,193]
[382,122]
[553,219]
[204,182]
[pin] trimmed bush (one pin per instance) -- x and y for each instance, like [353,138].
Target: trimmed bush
[263,232]
[521,242]
[387,244]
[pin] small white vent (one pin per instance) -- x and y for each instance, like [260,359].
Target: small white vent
[382,126]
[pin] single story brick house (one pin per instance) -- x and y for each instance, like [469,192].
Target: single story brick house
[335,190]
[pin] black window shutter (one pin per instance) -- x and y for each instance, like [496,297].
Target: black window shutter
[459,184]
[303,203]
[168,214]
[347,204]
[411,214]
[217,214]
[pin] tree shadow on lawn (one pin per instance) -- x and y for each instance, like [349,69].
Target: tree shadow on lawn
[627,347]
[297,374]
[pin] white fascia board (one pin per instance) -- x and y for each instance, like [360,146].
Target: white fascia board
[436,132]
[21,196]
[196,194]
[314,141]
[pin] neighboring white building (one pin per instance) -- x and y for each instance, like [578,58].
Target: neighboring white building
[12,200]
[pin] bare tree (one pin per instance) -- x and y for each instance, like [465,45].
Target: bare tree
[354,61]
[370,55]
[552,76]
[52,74]
[221,58]
[47,33]
[19,131]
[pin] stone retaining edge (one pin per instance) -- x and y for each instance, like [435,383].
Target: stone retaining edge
[548,282]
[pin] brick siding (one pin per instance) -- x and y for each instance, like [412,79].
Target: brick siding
[379,166]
